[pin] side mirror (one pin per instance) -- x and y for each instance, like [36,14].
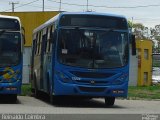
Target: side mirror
[24,40]
[133,42]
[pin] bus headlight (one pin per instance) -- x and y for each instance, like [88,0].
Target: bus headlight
[64,78]
[120,80]
[123,77]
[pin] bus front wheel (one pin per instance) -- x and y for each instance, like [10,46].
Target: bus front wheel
[13,98]
[109,101]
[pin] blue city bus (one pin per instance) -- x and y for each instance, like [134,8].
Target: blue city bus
[11,57]
[84,54]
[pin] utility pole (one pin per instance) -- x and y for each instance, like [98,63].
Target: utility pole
[132,24]
[13,3]
[43,6]
[87,5]
[60,5]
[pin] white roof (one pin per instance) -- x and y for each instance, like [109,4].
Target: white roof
[9,17]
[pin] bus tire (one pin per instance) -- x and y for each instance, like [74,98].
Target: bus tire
[109,101]
[13,98]
[50,90]
[36,92]
[50,95]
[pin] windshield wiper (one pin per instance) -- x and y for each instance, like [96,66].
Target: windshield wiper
[2,31]
[110,30]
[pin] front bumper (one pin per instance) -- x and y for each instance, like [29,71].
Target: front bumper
[10,88]
[61,88]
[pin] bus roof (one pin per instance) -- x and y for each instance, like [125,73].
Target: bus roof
[9,17]
[93,13]
[50,21]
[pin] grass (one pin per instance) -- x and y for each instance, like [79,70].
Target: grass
[145,92]
[26,90]
[134,93]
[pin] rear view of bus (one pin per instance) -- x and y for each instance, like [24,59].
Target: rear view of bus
[10,57]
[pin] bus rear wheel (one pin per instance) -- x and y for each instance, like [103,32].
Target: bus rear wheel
[109,101]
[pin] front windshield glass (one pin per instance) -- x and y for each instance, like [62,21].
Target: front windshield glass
[9,24]
[10,49]
[93,48]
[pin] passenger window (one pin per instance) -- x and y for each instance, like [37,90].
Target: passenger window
[40,43]
[49,38]
[50,33]
[39,35]
[45,46]
[35,44]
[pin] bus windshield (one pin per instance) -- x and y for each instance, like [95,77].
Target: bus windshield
[9,24]
[93,48]
[10,48]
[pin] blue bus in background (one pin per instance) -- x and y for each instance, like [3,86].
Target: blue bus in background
[11,57]
[83,54]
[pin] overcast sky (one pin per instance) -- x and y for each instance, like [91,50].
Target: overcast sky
[142,11]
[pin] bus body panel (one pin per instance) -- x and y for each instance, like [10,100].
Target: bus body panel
[12,45]
[113,83]
[61,79]
[12,77]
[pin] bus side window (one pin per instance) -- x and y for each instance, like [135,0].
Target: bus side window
[48,36]
[40,42]
[36,40]
[51,42]
[45,41]
[49,39]
[33,46]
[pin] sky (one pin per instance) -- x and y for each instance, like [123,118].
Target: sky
[146,12]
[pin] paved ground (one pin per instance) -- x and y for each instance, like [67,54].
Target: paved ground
[95,106]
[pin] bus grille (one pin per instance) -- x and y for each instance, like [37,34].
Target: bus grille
[91,89]
[89,82]
[92,74]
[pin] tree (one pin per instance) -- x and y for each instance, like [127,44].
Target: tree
[130,24]
[155,32]
[139,30]
[138,26]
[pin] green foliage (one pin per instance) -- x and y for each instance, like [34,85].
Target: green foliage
[130,24]
[138,25]
[26,90]
[147,92]
[156,64]
[157,38]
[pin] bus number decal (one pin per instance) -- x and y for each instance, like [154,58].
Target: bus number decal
[76,78]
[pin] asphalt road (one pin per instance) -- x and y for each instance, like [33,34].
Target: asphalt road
[93,106]
[94,109]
